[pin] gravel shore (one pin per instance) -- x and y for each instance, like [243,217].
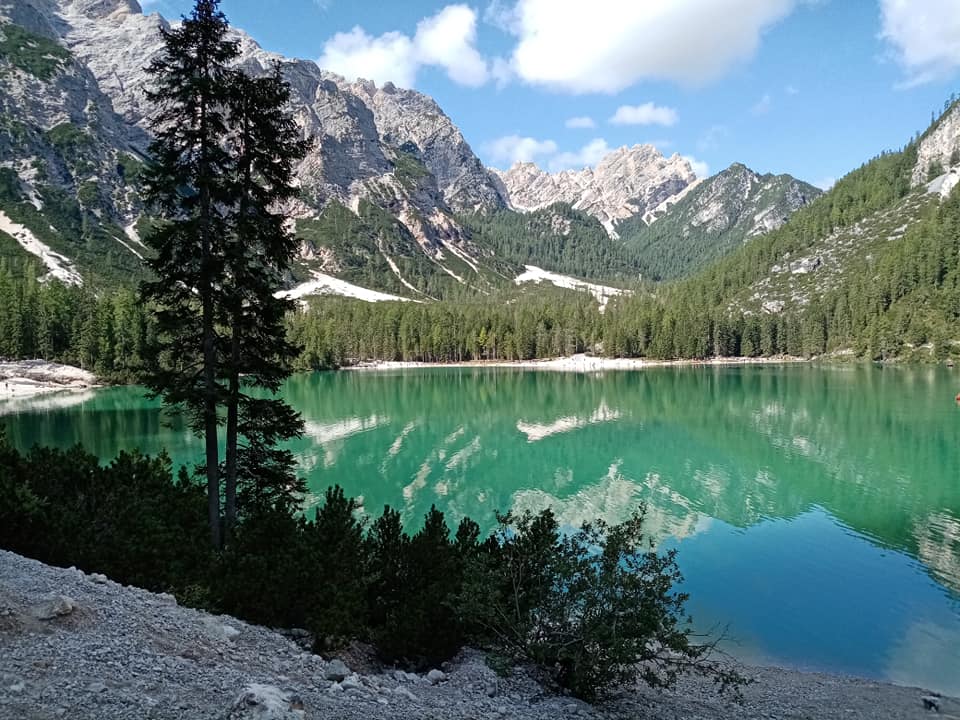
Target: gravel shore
[83,647]
[578,363]
[26,378]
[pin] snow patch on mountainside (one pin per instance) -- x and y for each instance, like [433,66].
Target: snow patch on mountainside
[602,293]
[944,184]
[59,265]
[324,284]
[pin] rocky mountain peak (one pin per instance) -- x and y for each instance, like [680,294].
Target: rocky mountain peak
[627,182]
[103,9]
[355,123]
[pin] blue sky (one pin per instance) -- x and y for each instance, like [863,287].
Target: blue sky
[809,87]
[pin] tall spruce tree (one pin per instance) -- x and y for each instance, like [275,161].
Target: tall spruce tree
[265,143]
[223,163]
[189,182]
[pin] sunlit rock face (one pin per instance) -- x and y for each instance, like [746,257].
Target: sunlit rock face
[393,148]
[938,146]
[629,181]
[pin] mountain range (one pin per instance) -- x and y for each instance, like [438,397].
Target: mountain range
[393,198]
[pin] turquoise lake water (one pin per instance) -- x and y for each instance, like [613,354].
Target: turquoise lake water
[816,509]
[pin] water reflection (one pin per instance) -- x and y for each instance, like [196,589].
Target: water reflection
[539,431]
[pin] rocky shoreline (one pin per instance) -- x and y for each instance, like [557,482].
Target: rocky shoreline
[27,378]
[80,646]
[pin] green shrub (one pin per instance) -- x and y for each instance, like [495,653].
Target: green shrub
[594,607]
[35,54]
[126,519]
[338,562]
[69,139]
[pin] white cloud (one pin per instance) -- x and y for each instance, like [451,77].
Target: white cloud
[646,114]
[581,122]
[699,167]
[503,15]
[608,45]
[710,140]
[446,39]
[590,154]
[924,36]
[763,105]
[791,90]
[356,54]
[825,183]
[512,149]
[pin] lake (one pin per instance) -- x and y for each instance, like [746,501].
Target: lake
[816,509]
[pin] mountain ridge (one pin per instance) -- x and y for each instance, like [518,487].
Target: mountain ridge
[626,182]
[391,158]
[713,217]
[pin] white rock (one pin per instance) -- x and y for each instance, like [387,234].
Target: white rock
[938,145]
[435,677]
[627,181]
[351,682]
[404,692]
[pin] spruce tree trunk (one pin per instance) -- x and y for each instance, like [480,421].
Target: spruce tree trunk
[210,422]
[233,413]
[209,347]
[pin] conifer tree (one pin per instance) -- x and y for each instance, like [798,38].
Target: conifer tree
[265,144]
[189,183]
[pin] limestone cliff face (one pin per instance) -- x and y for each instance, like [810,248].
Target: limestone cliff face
[64,154]
[393,148]
[354,124]
[938,145]
[628,182]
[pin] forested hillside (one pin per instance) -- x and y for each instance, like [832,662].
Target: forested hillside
[558,238]
[900,298]
[870,269]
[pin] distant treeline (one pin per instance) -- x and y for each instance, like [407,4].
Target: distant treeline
[106,333]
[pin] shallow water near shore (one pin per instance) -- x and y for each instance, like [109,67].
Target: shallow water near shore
[816,509]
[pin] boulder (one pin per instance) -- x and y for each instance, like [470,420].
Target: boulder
[435,677]
[405,693]
[220,630]
[55,607]
[266,702]
[336,671]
